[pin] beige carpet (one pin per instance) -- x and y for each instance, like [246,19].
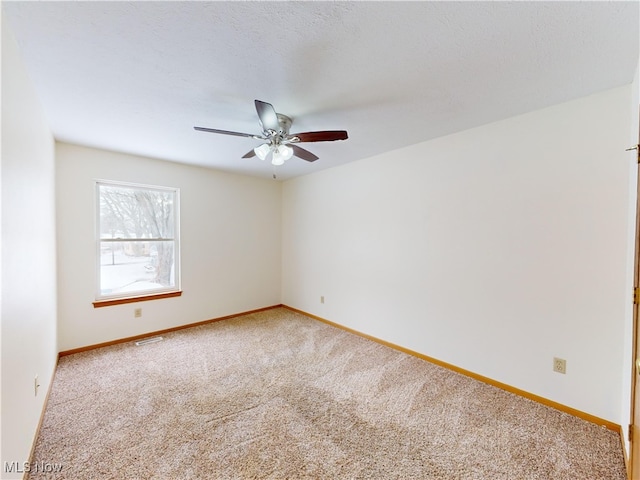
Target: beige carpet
[281,396]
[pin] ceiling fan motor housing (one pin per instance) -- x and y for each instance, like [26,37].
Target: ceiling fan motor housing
[285,124]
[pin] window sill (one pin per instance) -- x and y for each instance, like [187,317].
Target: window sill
[142,298]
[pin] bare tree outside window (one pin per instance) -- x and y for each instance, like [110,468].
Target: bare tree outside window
[137,239]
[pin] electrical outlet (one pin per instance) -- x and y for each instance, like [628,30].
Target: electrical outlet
[36,384]
[137,312]
[322,299]
[559,365]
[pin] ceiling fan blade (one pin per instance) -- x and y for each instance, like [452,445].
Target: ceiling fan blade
[226,132]
[267,115]
[249,154]
[324,136]
[303,154]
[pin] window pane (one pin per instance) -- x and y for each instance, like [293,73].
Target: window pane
[129,267]
[127,212]
[138,247]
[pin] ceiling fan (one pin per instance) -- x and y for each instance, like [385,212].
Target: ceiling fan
[279,143]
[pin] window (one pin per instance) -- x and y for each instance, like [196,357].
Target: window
[137,242]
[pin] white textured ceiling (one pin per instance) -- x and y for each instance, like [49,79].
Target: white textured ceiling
[136,77]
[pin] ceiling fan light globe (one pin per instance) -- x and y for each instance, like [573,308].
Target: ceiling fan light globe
[286,152]
[262,151]
[278,158]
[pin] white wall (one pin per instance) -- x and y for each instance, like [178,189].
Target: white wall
[628,366]
[28,257]
[230,242]
[494,249]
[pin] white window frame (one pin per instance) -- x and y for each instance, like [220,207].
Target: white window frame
[151,294]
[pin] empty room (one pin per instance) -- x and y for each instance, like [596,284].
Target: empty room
[320,240]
